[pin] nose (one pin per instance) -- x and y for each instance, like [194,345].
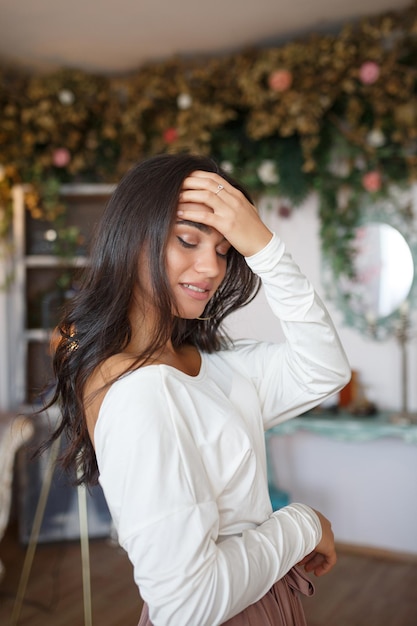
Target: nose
[208,263]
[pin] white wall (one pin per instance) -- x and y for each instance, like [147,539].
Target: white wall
[368,490]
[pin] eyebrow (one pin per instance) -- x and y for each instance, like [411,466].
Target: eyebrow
[203,227]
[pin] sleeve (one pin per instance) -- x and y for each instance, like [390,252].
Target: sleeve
[311,364]
[166,516]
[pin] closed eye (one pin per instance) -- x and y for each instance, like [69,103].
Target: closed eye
[222,255]
[185,244]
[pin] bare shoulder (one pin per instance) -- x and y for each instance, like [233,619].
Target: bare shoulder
[99,383]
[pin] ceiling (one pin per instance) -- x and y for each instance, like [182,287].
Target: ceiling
[109,36]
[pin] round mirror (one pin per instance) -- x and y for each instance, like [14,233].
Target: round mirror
[384,272]
[377,293]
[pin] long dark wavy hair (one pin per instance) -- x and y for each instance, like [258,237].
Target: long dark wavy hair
[138,217]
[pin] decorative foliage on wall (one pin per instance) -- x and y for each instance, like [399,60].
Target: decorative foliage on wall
[332,113]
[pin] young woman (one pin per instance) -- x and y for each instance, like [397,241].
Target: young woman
[169,414]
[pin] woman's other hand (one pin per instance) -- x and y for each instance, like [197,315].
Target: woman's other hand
[323,558]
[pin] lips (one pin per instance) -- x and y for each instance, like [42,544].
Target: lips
[194,288]
[196,291]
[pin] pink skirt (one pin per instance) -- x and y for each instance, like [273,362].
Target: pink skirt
[281,606]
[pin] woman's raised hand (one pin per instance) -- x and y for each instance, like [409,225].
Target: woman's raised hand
[209,199]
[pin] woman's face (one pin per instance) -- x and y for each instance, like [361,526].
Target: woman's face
[195,264]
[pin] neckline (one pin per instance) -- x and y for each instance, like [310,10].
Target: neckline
[180,373]
[171,368]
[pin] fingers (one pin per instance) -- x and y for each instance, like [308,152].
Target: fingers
[319,563]
[324,557]
[209,181]
[207,188]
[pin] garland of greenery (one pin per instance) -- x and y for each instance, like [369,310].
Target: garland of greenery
[330,113]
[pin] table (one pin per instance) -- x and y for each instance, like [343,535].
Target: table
[359,471]
[345,427]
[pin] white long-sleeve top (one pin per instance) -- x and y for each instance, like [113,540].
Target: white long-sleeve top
[183,465]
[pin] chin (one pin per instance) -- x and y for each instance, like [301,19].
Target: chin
[188,316]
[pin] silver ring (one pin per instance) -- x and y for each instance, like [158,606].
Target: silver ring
[219,188]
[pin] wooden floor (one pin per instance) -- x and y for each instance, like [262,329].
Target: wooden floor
[361,591]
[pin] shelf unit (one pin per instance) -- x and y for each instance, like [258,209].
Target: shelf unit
[36,272]
[36,298]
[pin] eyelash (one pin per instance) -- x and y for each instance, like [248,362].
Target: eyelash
[185,244]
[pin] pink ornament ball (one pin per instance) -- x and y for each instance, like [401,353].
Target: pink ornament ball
[369,72]
[170,135]
[372,181]
[61,157]
[280,80]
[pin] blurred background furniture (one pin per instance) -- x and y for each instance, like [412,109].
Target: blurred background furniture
[15,430]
